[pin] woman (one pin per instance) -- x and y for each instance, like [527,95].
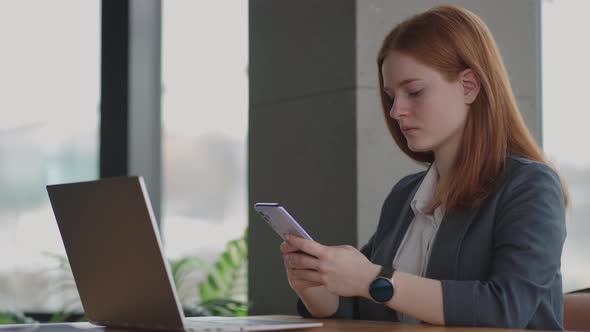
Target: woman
[476,239]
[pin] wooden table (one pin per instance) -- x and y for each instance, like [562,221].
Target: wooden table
[334,325]
[330,325]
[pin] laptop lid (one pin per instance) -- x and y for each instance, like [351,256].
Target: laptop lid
[111,240]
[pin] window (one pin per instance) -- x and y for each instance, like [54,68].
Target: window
[205,117]
[48,134]
[565,124]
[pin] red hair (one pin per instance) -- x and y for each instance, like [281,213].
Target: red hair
[451,39]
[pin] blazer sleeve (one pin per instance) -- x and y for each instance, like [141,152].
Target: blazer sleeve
[529,233]
[347,306]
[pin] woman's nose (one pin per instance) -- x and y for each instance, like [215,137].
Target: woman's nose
[397,111]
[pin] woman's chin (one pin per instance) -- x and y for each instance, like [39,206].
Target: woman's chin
[419,148]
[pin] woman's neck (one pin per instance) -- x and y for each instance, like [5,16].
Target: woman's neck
[445,156]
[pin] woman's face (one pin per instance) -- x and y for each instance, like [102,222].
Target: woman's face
[430,111]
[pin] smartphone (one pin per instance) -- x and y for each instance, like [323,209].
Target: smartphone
[277,217]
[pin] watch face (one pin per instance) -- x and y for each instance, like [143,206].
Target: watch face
[381,290]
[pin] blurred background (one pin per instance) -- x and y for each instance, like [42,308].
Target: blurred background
[49,133]
[50,88]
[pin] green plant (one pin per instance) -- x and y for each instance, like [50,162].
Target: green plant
[67,316]
[14,318]
[223,290]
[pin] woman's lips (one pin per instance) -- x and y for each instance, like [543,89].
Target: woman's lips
[409,130]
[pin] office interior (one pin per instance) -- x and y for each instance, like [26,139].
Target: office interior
[221,104]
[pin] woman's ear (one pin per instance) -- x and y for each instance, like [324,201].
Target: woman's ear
[471,85]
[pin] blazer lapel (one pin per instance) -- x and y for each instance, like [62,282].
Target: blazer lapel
[444,256]
[397,230]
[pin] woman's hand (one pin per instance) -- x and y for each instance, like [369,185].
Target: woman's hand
[298,284]
[343,270]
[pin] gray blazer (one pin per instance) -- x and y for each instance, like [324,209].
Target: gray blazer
[499,265]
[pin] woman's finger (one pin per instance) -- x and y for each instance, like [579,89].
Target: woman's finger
[302,261]
[308,275]
[287,248]
[308,246]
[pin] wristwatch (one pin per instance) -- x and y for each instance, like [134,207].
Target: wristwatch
[381,289]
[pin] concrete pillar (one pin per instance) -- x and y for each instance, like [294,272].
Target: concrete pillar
[144,135]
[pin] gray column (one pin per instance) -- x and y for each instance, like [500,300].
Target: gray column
[145,156]
[302,141]
[318,142]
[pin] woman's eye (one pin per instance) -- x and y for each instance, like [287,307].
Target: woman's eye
[415,93]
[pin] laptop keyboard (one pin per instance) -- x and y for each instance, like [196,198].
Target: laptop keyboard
[210,327]
[229,325]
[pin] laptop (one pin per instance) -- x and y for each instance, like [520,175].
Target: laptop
[111,240]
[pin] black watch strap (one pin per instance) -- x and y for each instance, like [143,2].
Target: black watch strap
[386,271]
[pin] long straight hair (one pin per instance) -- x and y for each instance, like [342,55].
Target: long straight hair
[451,39]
